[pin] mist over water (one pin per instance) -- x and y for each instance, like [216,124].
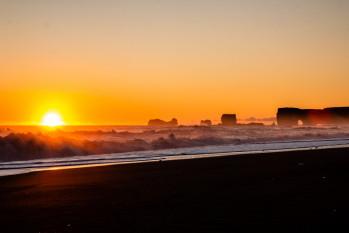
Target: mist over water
[28,143]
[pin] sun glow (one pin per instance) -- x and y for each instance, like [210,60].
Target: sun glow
[52,119]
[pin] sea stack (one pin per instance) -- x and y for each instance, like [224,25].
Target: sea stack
[228,119]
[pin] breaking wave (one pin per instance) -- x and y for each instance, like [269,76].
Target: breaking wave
[40,145]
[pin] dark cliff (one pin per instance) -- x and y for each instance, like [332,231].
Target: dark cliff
[291,116]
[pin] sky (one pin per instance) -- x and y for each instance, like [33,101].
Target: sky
[127,61]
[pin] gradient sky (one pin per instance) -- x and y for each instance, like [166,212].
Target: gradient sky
[123,62]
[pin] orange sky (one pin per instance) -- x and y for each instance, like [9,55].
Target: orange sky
[123,62]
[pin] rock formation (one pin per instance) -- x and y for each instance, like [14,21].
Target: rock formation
[206,123]
[228,119]
[158,122]
[292,116]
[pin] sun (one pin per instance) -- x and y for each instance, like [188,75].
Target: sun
[52,119]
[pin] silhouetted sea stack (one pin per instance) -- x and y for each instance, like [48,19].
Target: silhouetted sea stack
[158,122]
[292,116]
[228,119]
[206,123]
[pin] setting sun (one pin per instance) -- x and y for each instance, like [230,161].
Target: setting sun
[52,119]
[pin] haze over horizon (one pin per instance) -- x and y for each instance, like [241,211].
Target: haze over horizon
[124,62]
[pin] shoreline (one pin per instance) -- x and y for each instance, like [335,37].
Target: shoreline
[302,191]
[21,167]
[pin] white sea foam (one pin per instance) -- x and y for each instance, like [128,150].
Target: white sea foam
[18,167]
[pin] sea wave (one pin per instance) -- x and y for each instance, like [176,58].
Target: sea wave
[18,167]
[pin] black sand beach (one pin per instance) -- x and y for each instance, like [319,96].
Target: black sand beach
[304,191]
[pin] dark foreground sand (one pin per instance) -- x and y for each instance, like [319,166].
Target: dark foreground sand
[282,192]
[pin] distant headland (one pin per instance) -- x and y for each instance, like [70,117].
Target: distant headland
[327,116]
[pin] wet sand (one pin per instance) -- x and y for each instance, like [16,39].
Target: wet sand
[299,191]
